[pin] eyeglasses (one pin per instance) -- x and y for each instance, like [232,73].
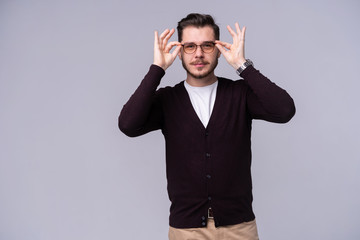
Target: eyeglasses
[206,47]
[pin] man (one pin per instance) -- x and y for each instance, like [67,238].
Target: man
[206,122]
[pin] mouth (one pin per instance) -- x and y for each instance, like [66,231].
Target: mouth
[199,64]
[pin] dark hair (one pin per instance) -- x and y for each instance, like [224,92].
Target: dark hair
[197,20]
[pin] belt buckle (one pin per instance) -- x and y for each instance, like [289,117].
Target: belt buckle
[210,213]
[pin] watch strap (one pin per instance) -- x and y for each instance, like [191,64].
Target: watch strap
[247,63]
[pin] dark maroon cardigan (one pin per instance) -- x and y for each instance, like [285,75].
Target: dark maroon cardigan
[207,167]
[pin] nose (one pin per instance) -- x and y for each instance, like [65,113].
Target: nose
[199,53]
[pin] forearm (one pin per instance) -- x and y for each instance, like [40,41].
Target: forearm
[267,100]
[136,112]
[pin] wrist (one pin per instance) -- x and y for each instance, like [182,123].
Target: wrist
[247,63]
[160,65]
[239,63]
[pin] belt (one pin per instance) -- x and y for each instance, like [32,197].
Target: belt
[210,213]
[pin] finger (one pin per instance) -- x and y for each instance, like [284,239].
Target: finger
[156,38]
[243,33]
[176,51]
[225,44]
[233,34]
[156,41]
[221,48]
[238,30]
[170,45]
[162,36]
[168,36]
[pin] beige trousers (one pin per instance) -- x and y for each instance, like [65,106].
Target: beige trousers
[242,231]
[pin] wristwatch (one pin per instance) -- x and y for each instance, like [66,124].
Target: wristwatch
[245,65]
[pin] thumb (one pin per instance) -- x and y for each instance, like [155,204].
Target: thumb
[176,50]
[221,49]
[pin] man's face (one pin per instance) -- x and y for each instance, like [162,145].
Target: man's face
[199,64]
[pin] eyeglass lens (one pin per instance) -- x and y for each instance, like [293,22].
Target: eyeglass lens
[206,47]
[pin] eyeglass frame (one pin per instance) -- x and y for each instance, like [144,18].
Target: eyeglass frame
[199,45]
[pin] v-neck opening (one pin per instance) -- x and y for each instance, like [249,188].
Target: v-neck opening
[213,112]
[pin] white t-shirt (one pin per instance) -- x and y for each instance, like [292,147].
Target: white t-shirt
[202,100]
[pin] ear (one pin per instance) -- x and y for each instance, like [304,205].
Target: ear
[218,54]
[179,55]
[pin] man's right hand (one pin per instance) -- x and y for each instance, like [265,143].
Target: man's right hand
[162,55]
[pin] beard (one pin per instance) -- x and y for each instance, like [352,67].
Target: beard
[199,75]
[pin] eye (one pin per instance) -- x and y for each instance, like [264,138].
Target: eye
[208,45]
[189,46]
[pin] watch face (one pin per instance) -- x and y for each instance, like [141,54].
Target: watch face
[248,63]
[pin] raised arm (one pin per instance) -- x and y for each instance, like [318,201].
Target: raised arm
[162,55]
[265,100]
[142,113]
[234,53]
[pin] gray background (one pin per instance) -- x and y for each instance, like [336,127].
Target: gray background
[67,67]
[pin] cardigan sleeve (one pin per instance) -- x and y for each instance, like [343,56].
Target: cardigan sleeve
[265,100]
[143,112]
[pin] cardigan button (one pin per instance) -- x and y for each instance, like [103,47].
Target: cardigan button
[203,218]
[208,176]
[208,155]
[203,223]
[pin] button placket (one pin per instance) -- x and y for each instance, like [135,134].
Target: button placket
[208,169]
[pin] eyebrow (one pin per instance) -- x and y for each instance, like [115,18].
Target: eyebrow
[200,43]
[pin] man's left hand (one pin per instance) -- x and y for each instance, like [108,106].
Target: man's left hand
[234,53]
